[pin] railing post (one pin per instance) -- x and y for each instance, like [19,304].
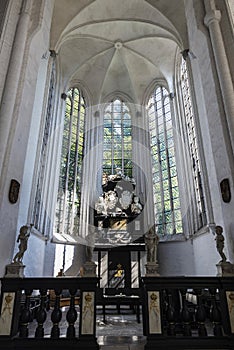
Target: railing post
[71,316]
[170,315]
[9,308]
[215,314]
[185,314]
[152,304]
[200,314]
[56,315]
[87,324]
[41,314]
[25,315]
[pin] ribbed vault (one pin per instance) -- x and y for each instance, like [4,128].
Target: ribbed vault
[117,45]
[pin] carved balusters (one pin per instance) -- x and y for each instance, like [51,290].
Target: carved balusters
[25,316]
[71,315]
[215,314]
[200,314]
[41,314]
[170,314]
[185,314]
[56,315]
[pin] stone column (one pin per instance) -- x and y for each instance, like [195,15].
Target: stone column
[212,20]
[13,77]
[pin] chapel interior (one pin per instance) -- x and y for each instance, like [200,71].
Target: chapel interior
[117,118]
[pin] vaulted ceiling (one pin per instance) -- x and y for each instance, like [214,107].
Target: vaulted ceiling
[117,45]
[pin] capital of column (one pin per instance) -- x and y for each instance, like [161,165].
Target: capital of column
[211,17]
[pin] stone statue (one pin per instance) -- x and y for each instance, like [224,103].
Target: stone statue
[136,206]
[151,241]
[23,245]
[100,206]
[220,242]
[111,199]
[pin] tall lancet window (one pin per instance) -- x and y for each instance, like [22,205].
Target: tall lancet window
[69,192]
[39,214]
[117,148]
[165,182]
[193,148]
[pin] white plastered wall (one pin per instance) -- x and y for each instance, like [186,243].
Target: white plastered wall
[213,128]
[22,150]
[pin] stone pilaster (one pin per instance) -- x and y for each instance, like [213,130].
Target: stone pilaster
[211,20]
[13,78]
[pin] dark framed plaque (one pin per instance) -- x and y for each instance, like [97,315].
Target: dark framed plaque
[14,191]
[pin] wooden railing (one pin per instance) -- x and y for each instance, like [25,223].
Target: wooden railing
[22,299]
[188,312]
[178,313]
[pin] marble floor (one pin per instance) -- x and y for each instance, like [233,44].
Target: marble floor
[121,343]
[120,332]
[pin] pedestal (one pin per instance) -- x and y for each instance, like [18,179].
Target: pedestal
[152,269]
[14,270]
[225,268]
[89,269]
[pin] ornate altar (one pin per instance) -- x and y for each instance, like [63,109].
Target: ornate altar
[117,213]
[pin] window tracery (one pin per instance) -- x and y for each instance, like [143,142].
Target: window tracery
[165,182]
[69,192]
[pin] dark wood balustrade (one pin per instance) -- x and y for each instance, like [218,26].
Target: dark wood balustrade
[188,312]
[40,300]
[178,312]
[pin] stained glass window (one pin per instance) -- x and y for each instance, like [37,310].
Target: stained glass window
[69,192]
[193,145]
[117,148]
[165,182]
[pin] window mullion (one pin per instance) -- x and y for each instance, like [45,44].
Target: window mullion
[122,138]
[65,209]
[76,162]
[168,167]
[193,148]
[160,162]
[112,137]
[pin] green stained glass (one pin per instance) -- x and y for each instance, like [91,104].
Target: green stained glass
[117,134]
[71,163]
[163,161]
